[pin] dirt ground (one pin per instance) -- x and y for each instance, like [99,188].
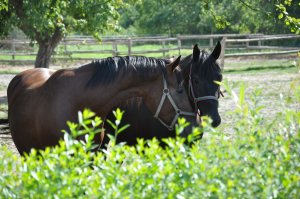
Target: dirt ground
[272,85]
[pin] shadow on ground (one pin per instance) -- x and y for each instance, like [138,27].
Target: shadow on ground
[260,68]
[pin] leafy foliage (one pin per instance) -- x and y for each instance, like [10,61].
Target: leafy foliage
[285,8]
[47,22]
[3,5]
[204,17]
[43,18]
[259,160]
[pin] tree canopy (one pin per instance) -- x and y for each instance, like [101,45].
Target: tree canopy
[48,21]
[215,16]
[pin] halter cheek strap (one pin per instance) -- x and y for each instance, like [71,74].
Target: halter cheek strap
[198,99]
[178,112]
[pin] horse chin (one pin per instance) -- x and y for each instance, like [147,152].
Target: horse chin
[189,129]
[216,121]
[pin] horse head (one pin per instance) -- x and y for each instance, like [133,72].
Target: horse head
[175,101]
[205,73]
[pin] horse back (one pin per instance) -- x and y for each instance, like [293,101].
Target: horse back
[26,81]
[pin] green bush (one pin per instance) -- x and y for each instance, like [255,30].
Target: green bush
[260,159]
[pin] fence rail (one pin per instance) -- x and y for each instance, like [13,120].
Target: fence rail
[78,47]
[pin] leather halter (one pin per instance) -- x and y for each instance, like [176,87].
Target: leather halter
[178,112]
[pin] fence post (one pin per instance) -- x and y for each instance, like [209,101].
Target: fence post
[163,47]
[13,49]
[115,49]
[259,43]
[179,44]
[222,56]
[129,46]
[247,42]
[211,42]
[65,46]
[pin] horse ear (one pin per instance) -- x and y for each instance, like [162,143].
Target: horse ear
[196,53]
[171,67]
[217,51]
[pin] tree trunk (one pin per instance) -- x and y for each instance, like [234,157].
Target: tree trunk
[43,56]
[47,39]
[46,49]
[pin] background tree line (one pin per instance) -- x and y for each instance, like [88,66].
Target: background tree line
[205,17]
[48,21]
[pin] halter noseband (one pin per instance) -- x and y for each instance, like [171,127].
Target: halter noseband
[179,112]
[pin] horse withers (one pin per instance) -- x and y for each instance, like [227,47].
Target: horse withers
[41,101]
[200,71]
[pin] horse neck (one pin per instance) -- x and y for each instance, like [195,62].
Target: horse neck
[186,66]
[103,97]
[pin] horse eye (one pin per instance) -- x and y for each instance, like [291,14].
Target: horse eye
[180,89]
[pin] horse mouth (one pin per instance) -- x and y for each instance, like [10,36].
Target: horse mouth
[216,122]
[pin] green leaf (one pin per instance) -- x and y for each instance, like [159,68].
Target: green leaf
[123,128]
[112,124]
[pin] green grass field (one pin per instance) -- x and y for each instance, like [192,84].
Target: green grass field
[69,51]
[123,49]
[261,66]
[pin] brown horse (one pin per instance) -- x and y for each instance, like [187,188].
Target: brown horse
[40,101]
[200,70]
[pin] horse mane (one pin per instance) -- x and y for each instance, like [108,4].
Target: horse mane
[109,69]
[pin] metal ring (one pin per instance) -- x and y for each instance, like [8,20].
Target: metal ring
[166,90]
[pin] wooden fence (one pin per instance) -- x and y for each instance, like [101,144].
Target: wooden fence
[87,48]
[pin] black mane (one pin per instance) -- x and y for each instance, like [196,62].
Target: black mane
[108,70]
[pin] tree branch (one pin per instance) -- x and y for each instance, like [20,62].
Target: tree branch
[23,24]
[249,6]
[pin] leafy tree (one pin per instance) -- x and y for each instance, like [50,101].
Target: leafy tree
[270,14]
[3,4]
[164,16]
[212,16]
[48,21]
[289,11]
[242,17]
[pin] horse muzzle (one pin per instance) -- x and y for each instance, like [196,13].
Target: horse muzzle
[216,121]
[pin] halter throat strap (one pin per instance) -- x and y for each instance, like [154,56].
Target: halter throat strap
[178,112]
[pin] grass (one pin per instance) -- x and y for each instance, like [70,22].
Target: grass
[260,69]
[8,71]
[260,66]
[2,86]
[249,66]
[122,48]
[3,111]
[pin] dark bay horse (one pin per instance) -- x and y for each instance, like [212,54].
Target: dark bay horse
[200,71]
[40,101]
